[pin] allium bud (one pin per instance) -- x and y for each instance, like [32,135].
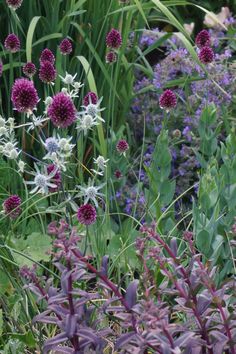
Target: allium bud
[113,39]
[47,55]
[14,4]
[65,46]
[122,146]
[29,69]
[90,97]
[47,72]
[87,214]
[118,174]
[206,55]
[24,95]
[62,111]
[111,57]
[12,206]
[168,100]
[12,43]
[203,39]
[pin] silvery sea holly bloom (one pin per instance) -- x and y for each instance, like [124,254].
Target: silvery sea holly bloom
[68,79]
[168,100]
[14,4]
[62,111]
[47,55]
[87,214]
[206,55]
[85,123]
[65,46]
[93,110]
[47,72]
[24,95]
[90,193]
[42,180]
[113,39]
[101,163]
[11,206]
[29,69]
[12,43]
[56,178]
[203,39]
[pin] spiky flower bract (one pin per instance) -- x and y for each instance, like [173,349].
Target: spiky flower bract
[56,178]
[206,55]
[203,39]
[113,39]
[62,111]
[168,100]
[12,43]
[65,46]
[87,214]
[47,55]
[12,206]
[24,95]
[29,69]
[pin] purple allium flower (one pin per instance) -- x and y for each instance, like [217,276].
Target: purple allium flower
[65,46]
[47,55]
[90,97]
[206,55]
[203,39]
[24,95]
[122,146]
[62,111]
[111,57]
[168,100]
[29,69]
[118,174]
[12,43]
[113,39]
[47,72]
[56,178]
[1,67]
[14,4]
[87,214]
[12,206]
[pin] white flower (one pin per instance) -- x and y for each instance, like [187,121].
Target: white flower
[2,122]
[48,101]
[68,79]
[214,20]
[93,110]
[36,122]
[21,165]
[3,130]
[58,161]
[101,164]
[77,85]
[13,154]
[90,193]
[86,122]
[64,144]
[42,181]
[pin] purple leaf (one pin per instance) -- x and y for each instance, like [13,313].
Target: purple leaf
[174,246]
[53,342]
[124,339]
[131,294]
[70,325]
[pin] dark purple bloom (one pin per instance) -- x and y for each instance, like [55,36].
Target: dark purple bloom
[56,178]
[14,4]
[65,46]
[111,57]
[203,39]
[47,72]
[24,95]
[113,39]
[47,55]
[168,100]
[122,146]
[87,214]
[12,43]
[90,97]
[206,55]
[62,111]
[118,174]
[12,206]
[29,69]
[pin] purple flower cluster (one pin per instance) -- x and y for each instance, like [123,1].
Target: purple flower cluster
[62,111]
[12,43]
[12,207]
[24,95]
[14,4]
[47,71]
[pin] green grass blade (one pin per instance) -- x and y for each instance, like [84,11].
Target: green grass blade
[29,37]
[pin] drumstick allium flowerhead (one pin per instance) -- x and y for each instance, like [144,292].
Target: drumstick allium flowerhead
[168,100]
[14,4]
[90,97]
[111,57]
[47,72]
[113,39]
[206,55]
[29,69]
[65,46]
[12,43]
[24,95]
[12,206]
[87,214]
[203,39]
[62,111]
[122,146]
[47,55]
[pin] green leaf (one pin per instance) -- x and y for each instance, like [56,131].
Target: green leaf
[203,241]
[30,35]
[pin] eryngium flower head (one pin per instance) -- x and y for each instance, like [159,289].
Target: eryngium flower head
[12,43]
[206,55]
[14,4]
[1,67]
[24,95]
[47,72]
[111,57]
[113,39]
[87,214]
[47,55]
[203,39]
[90,97]
[65,46]
[62,111]
[12,206]
[168,100]
[122,146]
[29,69]
[56,178]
